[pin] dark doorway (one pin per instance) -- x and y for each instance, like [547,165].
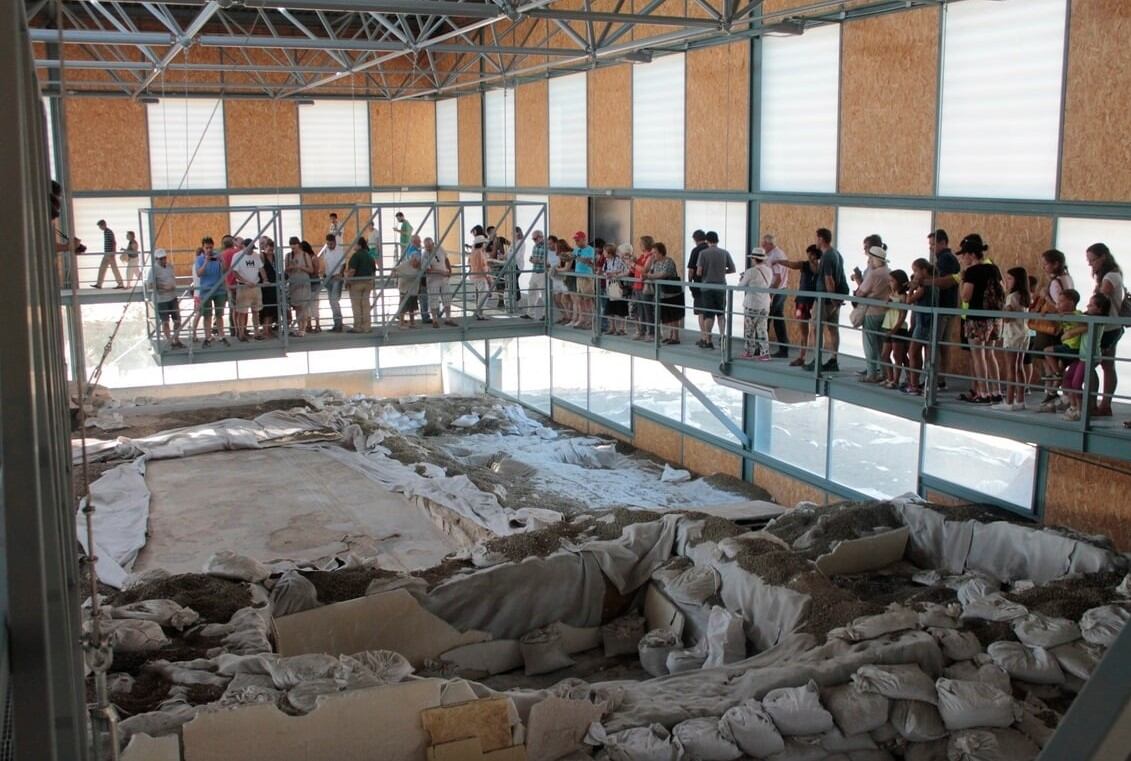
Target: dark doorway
[610,219]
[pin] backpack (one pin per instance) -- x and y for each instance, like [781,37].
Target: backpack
[1125,305]
[993,300]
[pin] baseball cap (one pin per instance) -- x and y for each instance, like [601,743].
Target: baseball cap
[580,235]
[479,240]
[758,253]
[972,244]
[159,254]
[878,252]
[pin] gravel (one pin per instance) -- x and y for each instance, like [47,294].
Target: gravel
[214,599]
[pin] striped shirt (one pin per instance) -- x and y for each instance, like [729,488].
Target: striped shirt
[109,242]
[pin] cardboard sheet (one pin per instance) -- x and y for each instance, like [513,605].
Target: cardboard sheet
[469,750]
[659,611]
[358,725]
[868,553]
[390,621]
[488,720]
[142,747]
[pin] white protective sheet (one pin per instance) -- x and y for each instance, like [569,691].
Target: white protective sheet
[121,514]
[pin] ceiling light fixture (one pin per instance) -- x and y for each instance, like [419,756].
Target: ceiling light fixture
[639,56]
[790,27]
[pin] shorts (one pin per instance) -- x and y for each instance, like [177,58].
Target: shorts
[1108,341]
[249,297]
[899,337]
[831,312]
[219,299]
[982,332]
[1063,353]
[1015,343]
[921,324]
[585,286]
[802,311]
[712,302]
[169,310]
[1042,341]
[1074,376]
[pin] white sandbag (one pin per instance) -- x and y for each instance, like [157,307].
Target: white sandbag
[753,729]
[855,711]
[1102,625]
[1029,664]
[934,750]
[1037,630]
[897,682]
[992,608]
[542,651]
[896,619]
[798,710]
[1079,658]
[651,743]
[965,705]
[163,612]
[303,698]
[917,721]
[166,720]
[987,673]
[694,586]
[878,754]
[674,475]
[133,635]
[936,616]
[289,672]
[887,735]
[387,666]
[250,629]
[654,649]
[688,659]
[622,636]
[229,565]
[975,587]
[836,741]
[1037,722]
[1124,588]
[293,593]
[805,749]
[705,739]
[957,645]
[726,638]
[991,745]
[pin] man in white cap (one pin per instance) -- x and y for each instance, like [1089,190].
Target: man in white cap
[165,286]
[757,280]
[538,278]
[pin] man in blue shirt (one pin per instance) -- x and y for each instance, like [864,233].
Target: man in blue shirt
[583,256]
[210,271]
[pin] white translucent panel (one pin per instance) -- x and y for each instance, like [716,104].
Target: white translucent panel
[186,144]
[422,218]
[570,369]
[1073,236]
[504,365]
[658,123]
[655,389]
[415,355]
[473,365]
[796,434]
[728,400]
[203,372]
[1000,468]
[534,371]
[272,367]
[447,142]
[568,150]
[728,219]
[50,128]
[342,360]
[873,452]
[333,143]
[800,104]
[905,233]
[498,137]
[472,214]
[247,223]
[1001,98]
[610,385]
[121,215]
[131,361]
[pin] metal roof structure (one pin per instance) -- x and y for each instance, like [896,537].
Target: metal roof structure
[379,49]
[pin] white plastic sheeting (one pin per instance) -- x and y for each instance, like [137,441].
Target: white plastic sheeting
[121,512]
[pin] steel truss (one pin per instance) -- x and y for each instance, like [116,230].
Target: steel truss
[378,49]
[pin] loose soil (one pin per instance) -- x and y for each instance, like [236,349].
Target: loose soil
[149,689]
[344,583]
[1070,598]
[139,424]
[830,606]
[737,486]
[835,523]
[214,599]
[438,574]
[771,563]
[976,512]
[180,649]
[989,632]
[716,529]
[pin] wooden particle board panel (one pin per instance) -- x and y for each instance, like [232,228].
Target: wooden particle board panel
[666,8]
[704,459]
[470,139]
[316,222]
[770,7]
[570,419]
[179,232]
[609,126]
[100,132]
[794,228]
[532,134]
[453,240]
[402,142]
[939,498]
[1014,240]
[568,214]
[262,143]
[717,129]
[600,430]
[889,65]
[1089,494]
[1096,158]
[786,490]
[662,219]
[658,439]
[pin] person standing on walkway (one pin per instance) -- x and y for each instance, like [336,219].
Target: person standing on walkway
[133,267]
[333,258]
[109,251]
[437,278]
[826,313]
[712,268]
[873,284]
[404,232]
[775,257]
[165,285]
[360,272]
[537,287]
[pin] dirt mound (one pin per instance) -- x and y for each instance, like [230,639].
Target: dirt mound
[345,583]
[830,606]
[214,599]
[715,529]
[1070,598]
[140,424]
[975,512]
[180,649]
[745,489]
[149,689]
[438,574]
[824,527]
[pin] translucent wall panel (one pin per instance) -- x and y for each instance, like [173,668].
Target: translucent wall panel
[333,143]
[49,126]
[121,216]
[247,223]
[658,123]
[417,355]
[504,365]
[498,137]
[422,218]
[568,150]
[273,367]
[342,360]
[534,371]
[728,400]
[872,452]
[728,219]
[472,214]
[447,142]
[610,385]
[655,389]
[1000,468]
[570,363]
[796,434]
[800,104]
[186,144]
[1001,98]
[1073,236]
[131,361]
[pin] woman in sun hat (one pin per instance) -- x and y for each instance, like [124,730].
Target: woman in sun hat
[874,284]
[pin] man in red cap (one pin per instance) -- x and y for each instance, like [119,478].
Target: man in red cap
[583,256]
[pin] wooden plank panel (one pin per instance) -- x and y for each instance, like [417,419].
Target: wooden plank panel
[610,127]
[794,229]
[889,65]
[402,142]
[316,222]
[570,419]
[706,460]
[1014,241]
[718,101]
[452,242]
[100,132]
[1097,142]
[262,143]
[660,440]
[180,233]
[471,140]
[786,490]
[568,214]
[663,220]
[532,134]
[1089,494]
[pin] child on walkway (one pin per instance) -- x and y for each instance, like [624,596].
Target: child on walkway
[893,353]
[1015,340]
[921,323]
[756,306]
[1099,306]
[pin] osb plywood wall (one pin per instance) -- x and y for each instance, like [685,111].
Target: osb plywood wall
[609,119]
[717,117]
[402,142]
[532,134]
[658,439]
[100,133]
[262,143]
[1097,143]
[316,222]
[452,242]
[704,459]
[501,216]
[888,96]
[1089,494]
[663,220]
[1014,241]
[794,229]
[786,490]
[568,214]
[180,233]
[470,140]
[666,8]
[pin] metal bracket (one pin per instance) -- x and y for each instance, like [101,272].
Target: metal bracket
[475,352]
[713,408]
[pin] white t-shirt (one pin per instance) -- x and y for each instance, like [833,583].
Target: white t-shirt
[248,267]
[1118,293]
[758,276]
[437,268]
[332,259]
[780,271]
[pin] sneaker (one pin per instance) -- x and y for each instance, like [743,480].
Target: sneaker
[798,362]
[765,357]
[912,390]
[1049,406]
[1050,396]
[1002,406]
[942,384]
[206,344]
[1072,415]
[225,341]
[831,366]
[1017,407]
[746,355]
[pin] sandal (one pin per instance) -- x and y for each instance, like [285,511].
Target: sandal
[967,396]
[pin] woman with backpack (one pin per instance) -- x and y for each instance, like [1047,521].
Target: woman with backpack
[1109,282]
[982,290]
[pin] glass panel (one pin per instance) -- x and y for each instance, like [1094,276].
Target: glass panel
[131,361]
[292,364]
[729,400]
[873,452]
[796,434]
[567,103]
[570,372]
[610,385]
[342,360]
[418,355]
[534,371]
[247,223]
[658,123]
[334,143]
[447,142]
[504,365]
[655,389]
[997,467]
[728,219]
[121,215]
